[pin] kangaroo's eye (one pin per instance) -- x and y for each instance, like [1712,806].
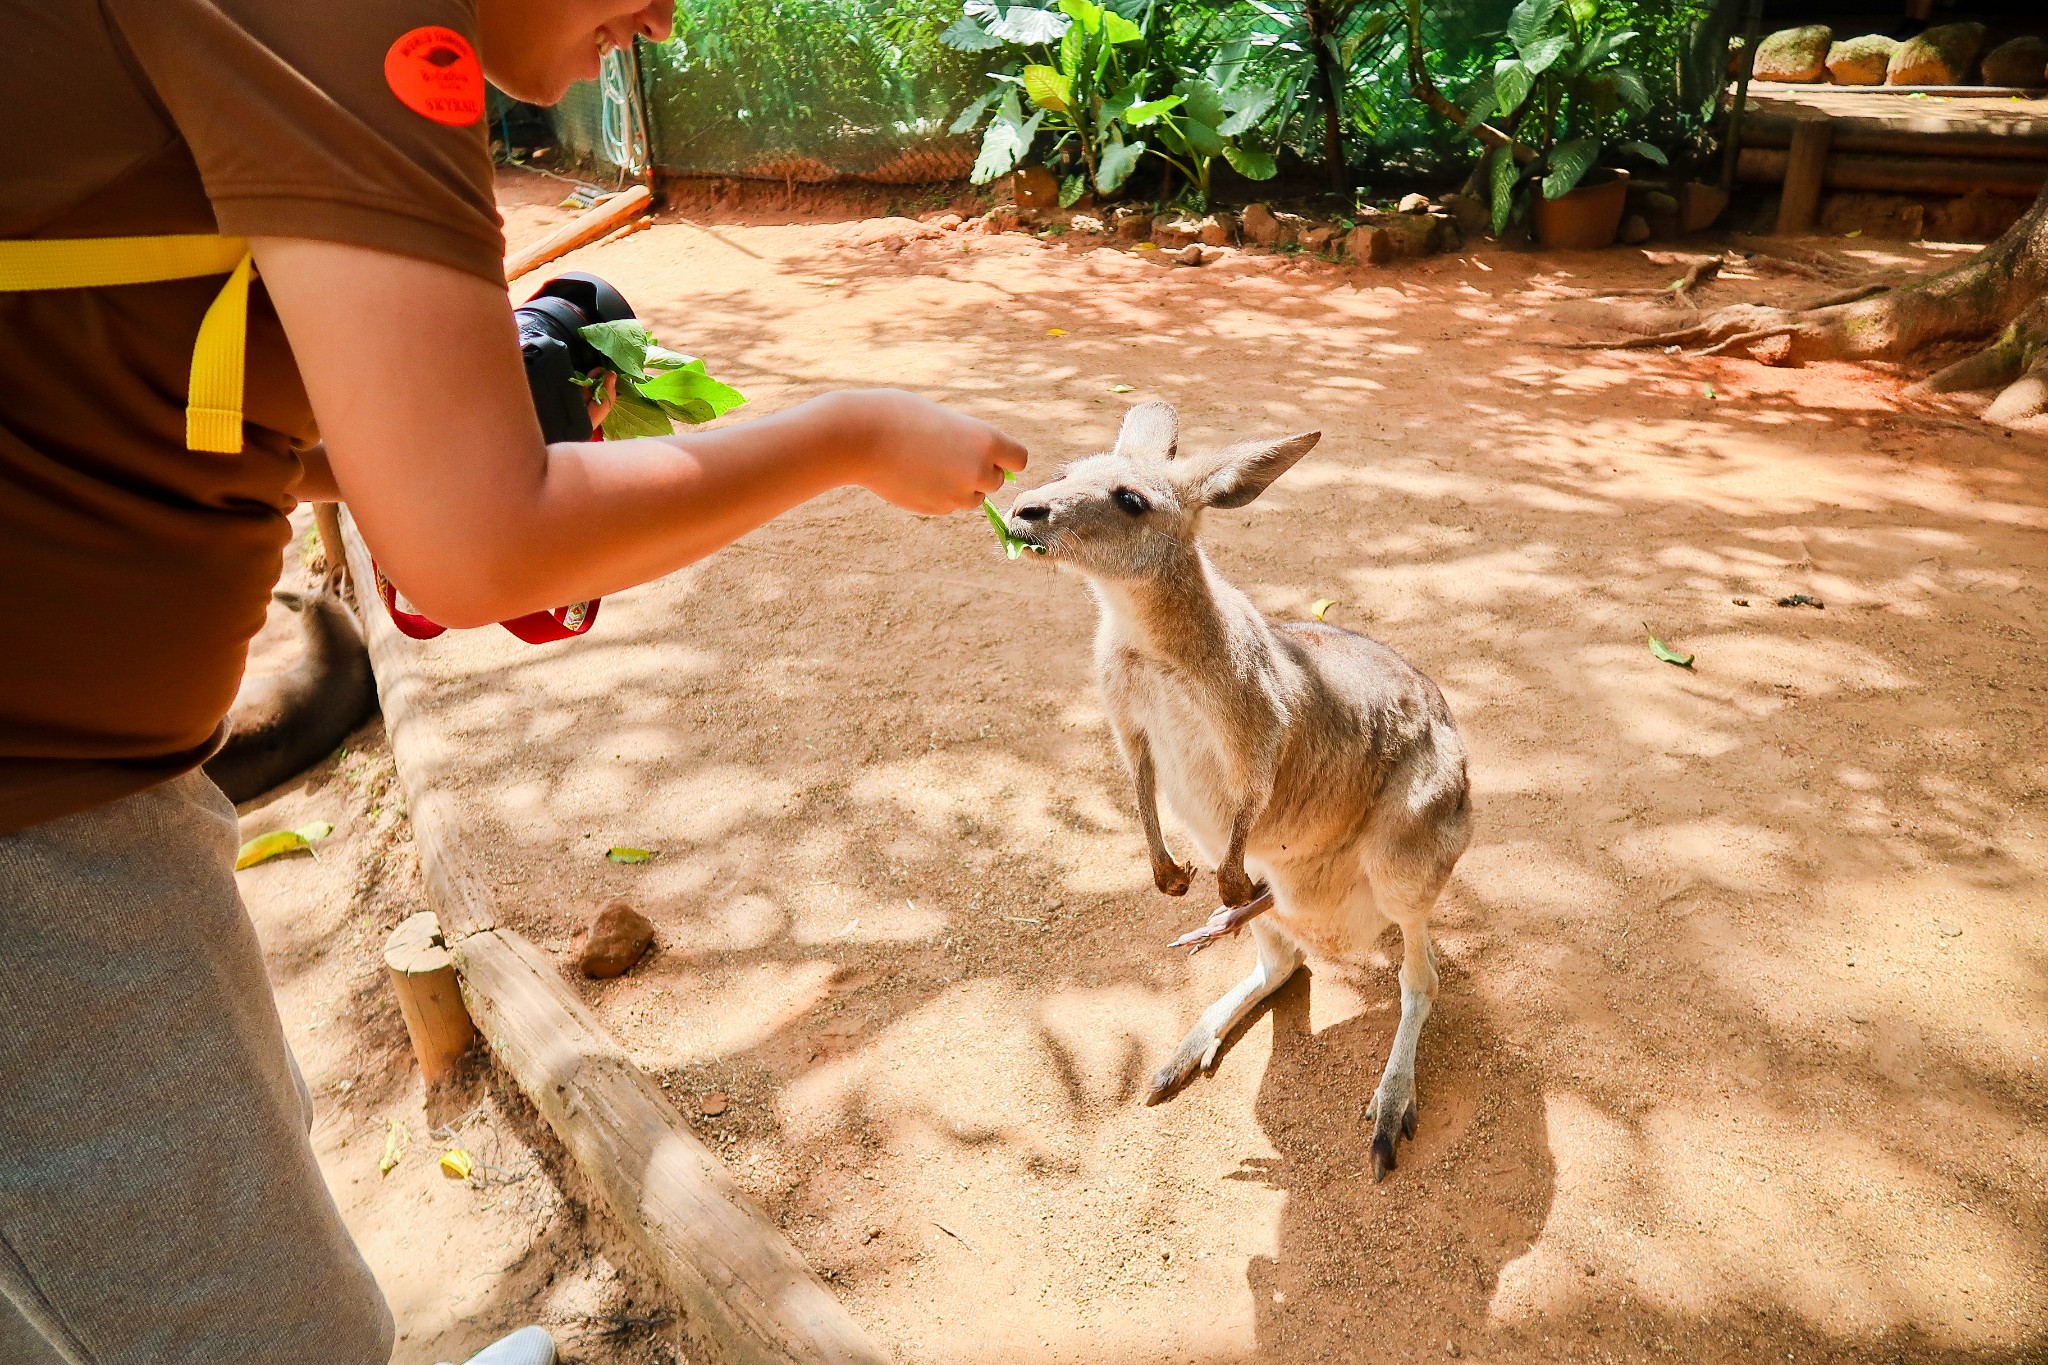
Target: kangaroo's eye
[1132,503]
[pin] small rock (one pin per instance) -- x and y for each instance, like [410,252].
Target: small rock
[2022,62]
[1414,234]
[1315,239]
[947,222]
[1217,229]
[1413,203]
[1975,217]
[1174,233]
[1949,931]
[1699,205]
[1191,254]
[1451,1350]
[1794,54]
[1087,224]
[1635,229]
[870,1235]
[1035,188]
[1369,245]
[1658,202]
[1449,236]
[1861,61]
[1259,225]
[1772,350]
[612,942]
[1471,216]
[712,1103]
[1003,218]
[1942,55]
[1132,224]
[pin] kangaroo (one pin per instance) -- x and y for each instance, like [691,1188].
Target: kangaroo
[283,724]
[1318,771]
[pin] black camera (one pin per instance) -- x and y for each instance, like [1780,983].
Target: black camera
[556,355]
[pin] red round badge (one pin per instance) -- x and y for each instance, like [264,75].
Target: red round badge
[434,72]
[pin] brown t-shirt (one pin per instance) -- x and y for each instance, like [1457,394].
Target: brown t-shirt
[133,571]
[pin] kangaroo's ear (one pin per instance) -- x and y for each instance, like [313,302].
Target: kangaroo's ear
[285,597]
[1150,431]
[1233,477]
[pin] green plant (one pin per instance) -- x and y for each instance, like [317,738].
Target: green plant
[656,386]
[1559,101]
[1090,87]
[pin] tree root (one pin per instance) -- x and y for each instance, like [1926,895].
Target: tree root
[2015,363]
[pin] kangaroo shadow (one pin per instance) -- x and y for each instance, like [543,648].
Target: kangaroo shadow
[1411,1262]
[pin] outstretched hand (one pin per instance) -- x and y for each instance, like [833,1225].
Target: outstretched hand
[926,458]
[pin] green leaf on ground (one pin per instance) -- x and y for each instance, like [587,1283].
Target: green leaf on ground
[395,1139]
[264,847]
[628,855]
[1666,652]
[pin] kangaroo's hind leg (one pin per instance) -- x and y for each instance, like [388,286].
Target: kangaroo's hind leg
[1393,1104]
[1279,955]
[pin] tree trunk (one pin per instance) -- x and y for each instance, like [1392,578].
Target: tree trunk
[2000,293]
[1333,109]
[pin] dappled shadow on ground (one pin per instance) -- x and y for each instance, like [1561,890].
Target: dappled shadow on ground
[1745,972]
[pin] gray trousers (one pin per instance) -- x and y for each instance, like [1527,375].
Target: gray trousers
[159,1199]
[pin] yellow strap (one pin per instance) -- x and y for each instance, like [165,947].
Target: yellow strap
[213,413]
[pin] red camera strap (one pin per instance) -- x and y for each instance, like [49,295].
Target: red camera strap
[536,627]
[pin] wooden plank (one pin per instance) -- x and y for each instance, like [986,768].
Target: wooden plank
[594,222]
[1902,175]
[2018,139]
[1799,203]
[451,881]
[746,1295]
[423,977]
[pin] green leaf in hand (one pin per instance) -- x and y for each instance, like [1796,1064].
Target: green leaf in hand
[633,416]
[688,387]
[1011,544]
[623,343]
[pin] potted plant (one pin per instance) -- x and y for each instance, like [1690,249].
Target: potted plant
[1560,100]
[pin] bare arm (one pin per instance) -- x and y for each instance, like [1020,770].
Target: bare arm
[414,373]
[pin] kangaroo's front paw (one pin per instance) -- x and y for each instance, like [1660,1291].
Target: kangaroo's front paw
[1235,886]
[1393,1118]
[1171,877]
[1197,1052]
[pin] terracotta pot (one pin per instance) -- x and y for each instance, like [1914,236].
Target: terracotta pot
[1587,217]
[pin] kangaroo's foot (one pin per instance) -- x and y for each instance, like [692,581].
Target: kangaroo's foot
[1226,921]
[1278,958]
[1393,1118]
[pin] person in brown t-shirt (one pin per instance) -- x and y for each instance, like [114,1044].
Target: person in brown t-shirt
[158,1198]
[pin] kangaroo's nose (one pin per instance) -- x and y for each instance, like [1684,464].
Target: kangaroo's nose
[1032,512]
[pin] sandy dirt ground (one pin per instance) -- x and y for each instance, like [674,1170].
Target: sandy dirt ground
[460,1263]
[1739,1050]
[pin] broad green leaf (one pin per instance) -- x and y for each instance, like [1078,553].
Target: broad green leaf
[1630,88]
[1480,100]
[1118,105]
[690,385]
[1246,107]
[1502,177]
[1648,151]
[264,847]
[1531,21]
[628,855]
[1202,137]
[1007,141]
[1250,163]
[1600,91]
[1049,89]
[1569,162]
[1026,26]
[1204,102]
[1666,652]
[1141,114]
[971,117]
[1071,190]
[1544,51]
[1115,165]
[1511,85]
[967,36]
[633,416]
[623,343]
[1120,30]
[661,358]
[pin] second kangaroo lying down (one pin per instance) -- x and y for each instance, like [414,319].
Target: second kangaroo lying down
[1316,769]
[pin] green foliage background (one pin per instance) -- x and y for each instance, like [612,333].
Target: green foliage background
[819,90]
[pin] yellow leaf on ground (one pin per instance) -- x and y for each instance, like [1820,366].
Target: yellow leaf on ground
[456,1164]
[394,1146]
[1322,607]
[1055,331]
[264,847]
[628,855]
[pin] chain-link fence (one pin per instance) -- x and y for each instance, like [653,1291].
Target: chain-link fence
[809,91]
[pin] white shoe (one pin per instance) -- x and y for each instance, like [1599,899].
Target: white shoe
[527,1346]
